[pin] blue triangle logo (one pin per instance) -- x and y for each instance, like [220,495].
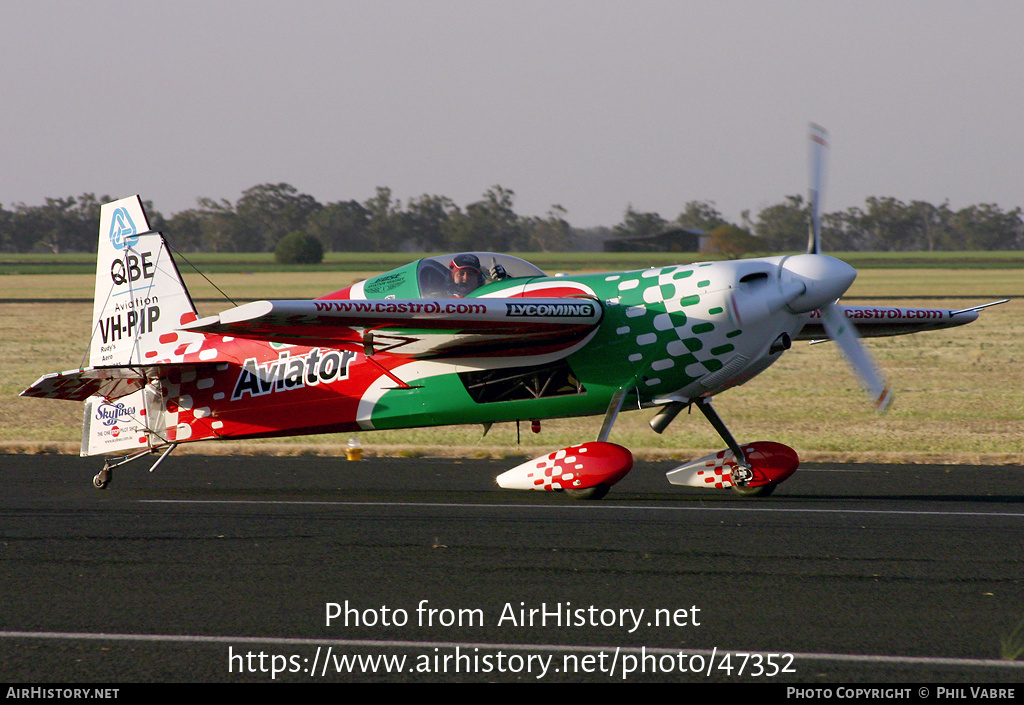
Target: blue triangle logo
[122,230]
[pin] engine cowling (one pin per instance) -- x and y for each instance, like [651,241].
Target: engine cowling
[573,468]
[770,463]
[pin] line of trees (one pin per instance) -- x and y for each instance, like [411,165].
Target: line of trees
[267,213]
[890,225]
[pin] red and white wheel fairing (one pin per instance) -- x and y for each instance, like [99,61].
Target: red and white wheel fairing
[770,462]
[573,468]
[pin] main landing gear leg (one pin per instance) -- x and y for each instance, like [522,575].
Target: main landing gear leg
[742,474]
[104,476]
[614,407]
[612,413]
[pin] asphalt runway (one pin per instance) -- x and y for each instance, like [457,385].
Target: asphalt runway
[226,569]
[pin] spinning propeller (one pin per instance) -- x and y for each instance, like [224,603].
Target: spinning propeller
[839,329]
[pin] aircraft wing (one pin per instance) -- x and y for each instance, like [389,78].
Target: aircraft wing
[416,328]
[880,321]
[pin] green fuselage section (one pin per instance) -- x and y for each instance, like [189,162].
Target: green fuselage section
[663,332]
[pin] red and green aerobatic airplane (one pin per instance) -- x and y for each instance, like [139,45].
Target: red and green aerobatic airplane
[413,348]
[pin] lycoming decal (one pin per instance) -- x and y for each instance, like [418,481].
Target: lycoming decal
[287,372]
[567,309]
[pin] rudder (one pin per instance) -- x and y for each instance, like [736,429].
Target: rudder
[139,292]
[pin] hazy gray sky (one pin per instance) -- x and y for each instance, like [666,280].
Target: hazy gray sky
[590,104]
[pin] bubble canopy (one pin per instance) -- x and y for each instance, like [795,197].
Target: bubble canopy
[433,273]
[431,277]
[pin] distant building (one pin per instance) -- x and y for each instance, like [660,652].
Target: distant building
[681,240]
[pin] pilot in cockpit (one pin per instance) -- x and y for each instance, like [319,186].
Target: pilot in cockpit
[467,276]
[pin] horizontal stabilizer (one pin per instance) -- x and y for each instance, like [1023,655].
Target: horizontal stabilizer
[108,382]
[79,385]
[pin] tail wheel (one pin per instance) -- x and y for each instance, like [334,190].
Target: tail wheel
[595,492]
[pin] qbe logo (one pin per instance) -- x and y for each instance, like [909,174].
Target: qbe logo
[122,230]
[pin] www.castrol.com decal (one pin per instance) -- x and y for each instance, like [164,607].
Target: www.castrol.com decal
[292,372]
[883,313]
[399,307]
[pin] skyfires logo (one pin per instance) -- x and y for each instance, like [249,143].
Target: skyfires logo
[109,413]
[309,369]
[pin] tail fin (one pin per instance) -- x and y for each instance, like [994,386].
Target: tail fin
[140,300]
[139,292]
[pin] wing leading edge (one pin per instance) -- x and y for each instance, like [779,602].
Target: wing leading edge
[416,328]
[884,321]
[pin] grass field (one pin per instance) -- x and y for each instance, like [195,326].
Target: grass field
[958,393]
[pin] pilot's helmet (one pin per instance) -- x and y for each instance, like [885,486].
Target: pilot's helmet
[465,261]
[468,265]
